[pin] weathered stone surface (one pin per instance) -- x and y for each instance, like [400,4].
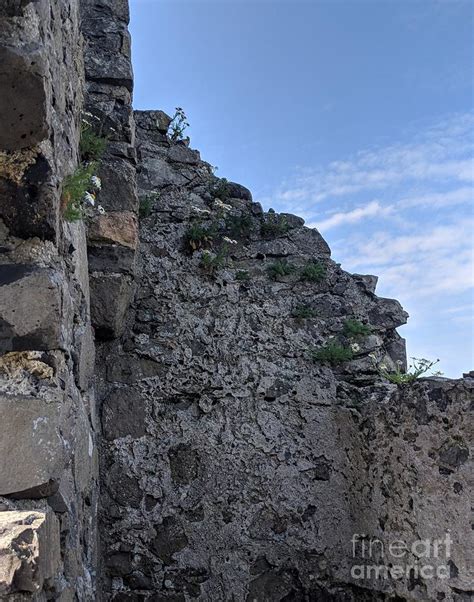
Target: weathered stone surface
[110,297]
[119,228]
[119,190]
[368,281]
[29,206]
[112,258]
[23,326]
[256,465]
[31,449]
[29,552]
[123,414]
[44,308]
[23,103]
[232,464]
[16,363]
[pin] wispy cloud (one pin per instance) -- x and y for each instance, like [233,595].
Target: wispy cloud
[372,209]
[438,260]
[441,154]
[458,196]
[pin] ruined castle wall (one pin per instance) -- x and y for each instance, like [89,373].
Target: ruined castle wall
[233,464]
[112,237]
[48,458]
[410,455]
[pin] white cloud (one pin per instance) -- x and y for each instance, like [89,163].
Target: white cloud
[372,209]
[441,154]
[457,196]
[438,260]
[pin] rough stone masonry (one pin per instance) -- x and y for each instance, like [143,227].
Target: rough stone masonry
[166,430]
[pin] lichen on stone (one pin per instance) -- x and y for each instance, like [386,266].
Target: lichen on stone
[16,363]
[13,164]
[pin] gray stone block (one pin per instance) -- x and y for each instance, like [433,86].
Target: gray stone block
[23,101]
[31,448]
[111,295]
[31,301]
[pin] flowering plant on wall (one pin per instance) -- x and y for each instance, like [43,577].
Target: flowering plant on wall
[81,188]
[79,194]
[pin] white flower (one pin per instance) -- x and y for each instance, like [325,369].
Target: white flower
[89,197]
[96,182]
[218,203]
[229,240]
[100,209]
[372,356]
[383,367]
[199,210]
[355,347]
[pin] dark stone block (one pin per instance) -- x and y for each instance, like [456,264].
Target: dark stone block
[119,564]
[23,101]
[129,369]
[24,325]
[293,221]
[170,538]
[184,464]
[178,153]
[111,295]
[366,281]
[118,185]
[123,413]
[29,206]
[453,454]
[111,258]
[35,493]
[125,490]
[387,313]
[237,191]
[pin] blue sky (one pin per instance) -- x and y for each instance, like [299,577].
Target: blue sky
[357,115]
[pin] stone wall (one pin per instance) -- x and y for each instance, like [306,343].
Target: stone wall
[48,458]
[113,237]
[234,464]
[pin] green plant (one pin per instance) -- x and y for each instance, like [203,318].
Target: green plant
[313,271]
[220,189]
[332,352]
[75,186]
[91,145]
[279,268]
[274,225]
[417,368]
[198,236]
[239,225]
[178,125]
[242,276]
[353,328]
[211,263]
[303,312]
[146,204]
